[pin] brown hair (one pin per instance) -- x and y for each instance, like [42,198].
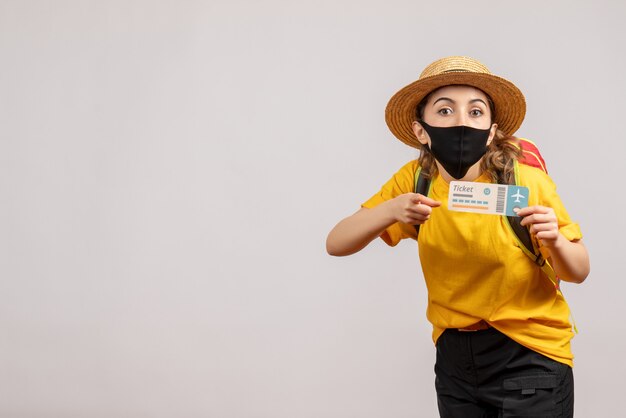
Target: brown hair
[498,162]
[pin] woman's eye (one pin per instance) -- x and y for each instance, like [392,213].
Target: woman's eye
[476,112]
[445,111]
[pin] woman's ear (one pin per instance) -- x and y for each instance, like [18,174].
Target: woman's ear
[420,132]
[492,133]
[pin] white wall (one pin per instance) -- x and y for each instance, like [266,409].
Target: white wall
[170,170]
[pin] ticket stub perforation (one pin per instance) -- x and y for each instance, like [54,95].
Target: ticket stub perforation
[492,199]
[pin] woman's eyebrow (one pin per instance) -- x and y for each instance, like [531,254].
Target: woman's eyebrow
[443,98]
[478,100]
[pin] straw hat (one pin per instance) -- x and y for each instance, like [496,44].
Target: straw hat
[509,102]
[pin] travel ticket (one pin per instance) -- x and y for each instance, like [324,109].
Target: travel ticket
[493,199]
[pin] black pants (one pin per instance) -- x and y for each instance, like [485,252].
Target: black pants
[486,374]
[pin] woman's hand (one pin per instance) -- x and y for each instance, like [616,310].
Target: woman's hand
[570,259]
[413,208]
[359,229]
[542,222]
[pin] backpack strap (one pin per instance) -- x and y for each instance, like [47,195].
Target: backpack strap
[422,186]
[527,245]
[524,239]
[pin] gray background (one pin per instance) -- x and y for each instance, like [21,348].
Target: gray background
[170,171]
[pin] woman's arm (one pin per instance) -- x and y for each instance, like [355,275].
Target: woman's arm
[353,233]
[570,259]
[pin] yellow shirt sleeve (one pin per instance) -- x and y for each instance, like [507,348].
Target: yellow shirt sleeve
[402,182]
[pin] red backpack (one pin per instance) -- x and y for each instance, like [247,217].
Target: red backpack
[531,155]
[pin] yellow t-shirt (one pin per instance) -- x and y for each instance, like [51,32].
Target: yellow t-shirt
[474,269]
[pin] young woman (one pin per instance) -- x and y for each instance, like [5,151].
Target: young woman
[501,328]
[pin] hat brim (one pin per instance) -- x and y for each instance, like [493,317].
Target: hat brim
[508,100]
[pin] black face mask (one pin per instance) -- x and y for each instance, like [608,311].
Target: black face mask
[457,148]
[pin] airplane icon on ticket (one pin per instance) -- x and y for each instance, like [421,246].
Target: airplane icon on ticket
[518,196]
